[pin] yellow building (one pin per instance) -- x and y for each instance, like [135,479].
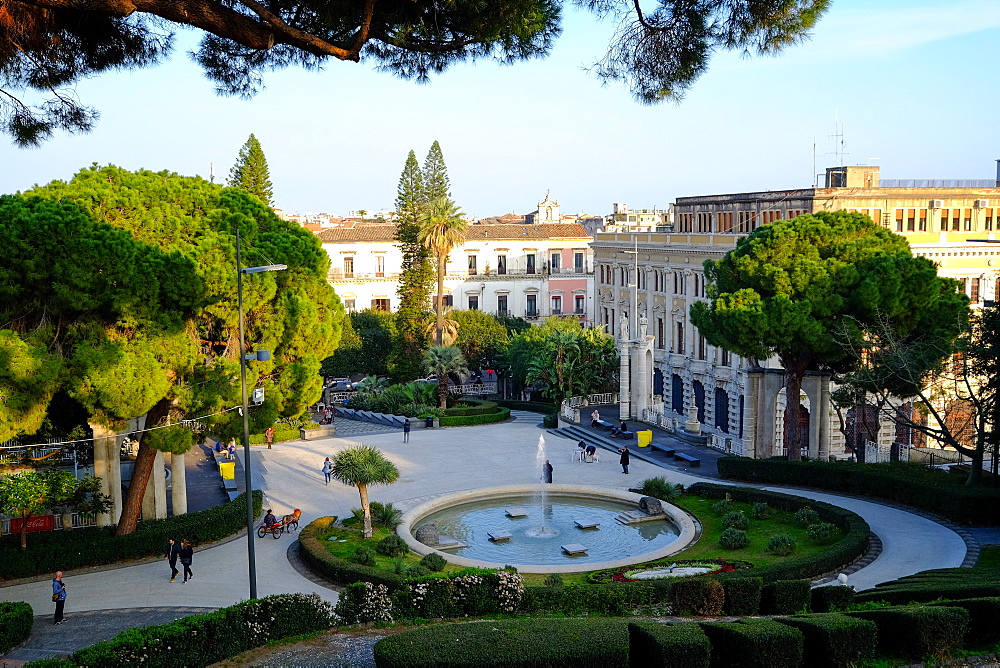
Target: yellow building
[645,283]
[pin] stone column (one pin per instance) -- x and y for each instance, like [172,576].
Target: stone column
[823,446]
[107,467]
[644,380]
[624,382]
[178,485]
[154,501]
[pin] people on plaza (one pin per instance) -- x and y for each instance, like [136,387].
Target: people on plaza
[406,431]
[187,555]
[590,452]
[58,597]
[170,554]
[595,417]
[269,519]
[547,472]
[328,469]
[232,449]
[623,460]
[619,429]
[269,436]
[581,445]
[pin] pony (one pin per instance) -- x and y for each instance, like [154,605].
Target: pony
[292,520]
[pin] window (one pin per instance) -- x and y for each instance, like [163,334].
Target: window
[531,263]
[379,266]
[956,218]
[701,347]
[679,344]
[531,308]
[557,305]
[579,304]
[349,305]
[944,220]
[472,265]
[502,304]
[988,219]
[501,264]
[922,221]
[659,332]
[380,304]
[473,302]
[911,220]
[578,263]
[349,266]
[967,220]
[725,357]
[448,300]
[974,292]
[555,263]
[899,220]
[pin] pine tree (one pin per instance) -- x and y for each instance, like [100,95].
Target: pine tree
[250,172]
[436,183]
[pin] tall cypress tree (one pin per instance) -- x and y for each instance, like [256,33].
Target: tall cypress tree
[250,172]
[436,183]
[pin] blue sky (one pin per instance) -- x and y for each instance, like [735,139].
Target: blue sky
[914,84]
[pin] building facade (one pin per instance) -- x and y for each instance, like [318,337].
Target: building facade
[739,408]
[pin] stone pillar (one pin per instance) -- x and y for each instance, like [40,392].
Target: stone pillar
[644,377]
[107,467]
[823,445]
[178,485]
[154,501]
[624,388]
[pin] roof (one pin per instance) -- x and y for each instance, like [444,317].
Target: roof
[386,233]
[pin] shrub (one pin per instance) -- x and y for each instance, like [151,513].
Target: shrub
[520,643]
[204,639]
[550,420]
[473,407]
[660,488]
[699,596]
[760,511]
[364,555]
[756,643]
[433,562]
[734,539]
[385,515]
[363,603]
[736,520]
[984,618]
[417,571]
[918,631]
[392,546]
[743,595]
[16,619]
[501,415]
[807,516]
[831,598]
[722,507]
[823,533]
[668,645]
[313,551]
[785,597]
[782,545]
[553,580]
[835,641]
[947,583]
[93,546]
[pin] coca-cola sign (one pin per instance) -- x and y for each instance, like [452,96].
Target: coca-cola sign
[39,523]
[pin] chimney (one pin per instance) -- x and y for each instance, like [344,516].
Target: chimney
[998,173]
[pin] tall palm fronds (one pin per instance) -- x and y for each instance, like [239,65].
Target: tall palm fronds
[360,466]
[444,360]
[442,227]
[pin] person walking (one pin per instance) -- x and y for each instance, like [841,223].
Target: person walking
[59,597]
[623,460]
[547,472]
[170,554]
[406,431]
[232,449]
[187,556]
[269,436]
[595,417]
[328,470]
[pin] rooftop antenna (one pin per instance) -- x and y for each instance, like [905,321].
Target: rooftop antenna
[211,172]
[838,136]
[815,180]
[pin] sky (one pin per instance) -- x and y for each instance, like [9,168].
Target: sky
[909,85]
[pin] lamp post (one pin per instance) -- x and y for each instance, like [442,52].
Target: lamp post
[260,355]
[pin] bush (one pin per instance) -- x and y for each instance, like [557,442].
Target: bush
[392,546]
[474,407]
[668,645]
[94,546]
[807,516]
[553,580]
[469,592]
[280,436]
[734,539]
[501,415]
[835,641]
[755,643]
[743,595]
[947,583]
[385,515]
[900,482]
[513,643]
[723,507]
[918,631]
[363,603]
[699,596]
[785,597]
[205,639]
[736,520]
[433,562]
[823,533]
[984,618]
[364,555]
[760,511]
[417,571]
[782,545]
[313,551]
[550,420]
[660,488]
[533,406]
[16,619]
[831,598]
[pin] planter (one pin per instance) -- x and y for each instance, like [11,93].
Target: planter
[313,434]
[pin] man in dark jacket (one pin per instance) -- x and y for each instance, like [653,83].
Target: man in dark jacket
[170,554]
[623,460]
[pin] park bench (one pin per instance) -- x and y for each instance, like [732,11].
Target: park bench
[693,461]
[666,450]
[605,425]
[627,435]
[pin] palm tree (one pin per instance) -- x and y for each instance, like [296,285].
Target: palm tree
[449,328]
[444,360]
[360,466]
[442,228]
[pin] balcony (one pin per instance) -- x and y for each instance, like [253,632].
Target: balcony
[557,311]
[531,314]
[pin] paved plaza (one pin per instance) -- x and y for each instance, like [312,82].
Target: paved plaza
[434,462]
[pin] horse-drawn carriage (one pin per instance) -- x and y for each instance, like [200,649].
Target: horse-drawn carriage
[287,523]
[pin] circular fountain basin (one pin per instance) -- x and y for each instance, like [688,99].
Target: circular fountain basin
[536,540]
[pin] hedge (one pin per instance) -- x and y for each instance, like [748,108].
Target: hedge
[478,408]
[533,406]
[205,639]
[16,619]
[831,598]
[908,484]
[655,645]
[280,435]
[743,595]
[785,597]
[853,545]
[313,552]
[511,643]
[984,618]
[948,583]
[918,631]
[755,643]
[501,415]
[93,546]
[835,641]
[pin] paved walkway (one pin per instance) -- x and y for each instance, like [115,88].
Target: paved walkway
[433,462]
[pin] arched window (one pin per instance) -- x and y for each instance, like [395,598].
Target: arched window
[722,410]
[699,399]
[676,394]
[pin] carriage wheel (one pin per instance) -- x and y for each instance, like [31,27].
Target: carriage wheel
[260,532]
[276,532]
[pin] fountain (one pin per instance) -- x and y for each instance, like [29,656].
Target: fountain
[542,496]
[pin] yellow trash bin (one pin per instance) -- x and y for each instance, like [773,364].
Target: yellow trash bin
[645,437]
[228,470]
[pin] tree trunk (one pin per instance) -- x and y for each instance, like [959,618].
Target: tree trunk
[24,530]
[794,372]
[367,511]
[144,459]
[439,333]
[443,390]
[976,472]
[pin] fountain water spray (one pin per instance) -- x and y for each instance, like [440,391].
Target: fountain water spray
[542,495]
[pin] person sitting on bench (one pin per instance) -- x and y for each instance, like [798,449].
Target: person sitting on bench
[622,428]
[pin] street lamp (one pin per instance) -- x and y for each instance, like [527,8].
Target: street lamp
[261,356]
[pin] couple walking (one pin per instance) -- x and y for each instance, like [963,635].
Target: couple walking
[182,551]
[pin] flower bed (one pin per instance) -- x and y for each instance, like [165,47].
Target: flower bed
[627,573]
